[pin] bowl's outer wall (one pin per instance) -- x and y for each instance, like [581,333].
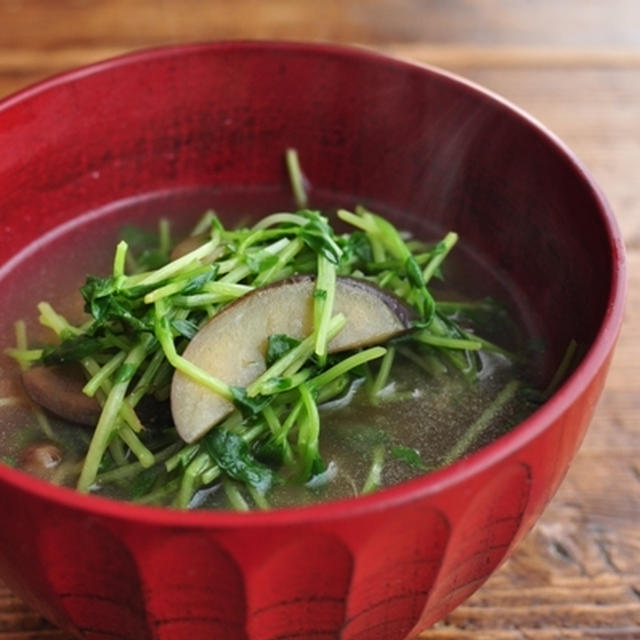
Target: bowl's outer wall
[379,131]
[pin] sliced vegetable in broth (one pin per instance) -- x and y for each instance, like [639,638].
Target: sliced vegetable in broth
[279,363]
[304,422]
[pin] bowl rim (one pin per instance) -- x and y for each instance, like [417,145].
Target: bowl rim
[503,447]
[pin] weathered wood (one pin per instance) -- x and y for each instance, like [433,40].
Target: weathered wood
[574,66]
[548,23]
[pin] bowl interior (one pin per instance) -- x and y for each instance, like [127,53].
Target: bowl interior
[183,130]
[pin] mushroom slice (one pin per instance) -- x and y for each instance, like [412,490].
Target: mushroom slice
[59,389]
[233,344]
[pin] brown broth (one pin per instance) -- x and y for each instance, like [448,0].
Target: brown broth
[418,411]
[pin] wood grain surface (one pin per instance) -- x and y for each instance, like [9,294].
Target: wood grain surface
[573,64]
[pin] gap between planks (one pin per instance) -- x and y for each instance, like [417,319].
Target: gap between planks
[443,55]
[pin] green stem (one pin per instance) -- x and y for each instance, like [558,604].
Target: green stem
[120,259]
[45,425]
[440,253]
[177,265]
[562,369]
[464,443]
[463,344]
[161,494]
[296,178]
[278,385]
[346,365]
[146,379]
[107,422]
[309,432]
[126,410]
[22,343]
[428,362]
[54,321]
[374,477]
[285,256]
[24,356]
[103,374]
[182,457]
[163,334]
[272,420]
[129,437]
[133,468]
[259,498]
[332,389]
[178,284]
[324,295]
[294,358]
[188,484]
[204,224]
[164,236]
[116,449]
[281,218]
[234,496]
[383,373]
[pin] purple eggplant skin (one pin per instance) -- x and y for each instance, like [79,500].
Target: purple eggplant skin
[406,315]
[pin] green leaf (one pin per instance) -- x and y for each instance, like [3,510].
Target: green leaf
[319,236]
[318,467]
[260,261]
[195,284]
[137,238]
[151,259]
[71,350]
[106,303]
[232,454]
[279,384]
[186,328]
[279,344]
[145,246]
[272,451]
[414,272]
[143,482]
[409,456]
[320,294]
[96,288]
[249,406]
[216,223]
[426,305]
[124,373]
[357,247]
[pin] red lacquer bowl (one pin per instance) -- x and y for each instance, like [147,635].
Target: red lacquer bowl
[184,126]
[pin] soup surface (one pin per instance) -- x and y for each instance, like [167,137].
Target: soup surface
[403,410]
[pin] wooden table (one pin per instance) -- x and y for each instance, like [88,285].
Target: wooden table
[574,64]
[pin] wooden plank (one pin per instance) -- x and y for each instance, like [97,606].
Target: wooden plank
[548,23]
[576,574]
[19,622]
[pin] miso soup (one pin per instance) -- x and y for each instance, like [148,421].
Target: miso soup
[457,364]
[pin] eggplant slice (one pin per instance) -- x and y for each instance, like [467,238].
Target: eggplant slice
[233,344]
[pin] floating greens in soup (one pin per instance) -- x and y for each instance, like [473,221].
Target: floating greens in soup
[276,364]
